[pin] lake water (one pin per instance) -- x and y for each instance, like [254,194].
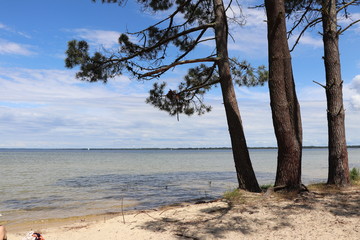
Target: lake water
[40,184]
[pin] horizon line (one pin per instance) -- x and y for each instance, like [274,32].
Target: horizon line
[158,148]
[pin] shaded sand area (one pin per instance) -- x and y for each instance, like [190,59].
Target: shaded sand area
[318,214]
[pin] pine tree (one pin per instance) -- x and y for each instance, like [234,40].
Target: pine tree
[146,59]
[313,12]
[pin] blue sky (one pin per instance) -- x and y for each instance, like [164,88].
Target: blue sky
[42,105]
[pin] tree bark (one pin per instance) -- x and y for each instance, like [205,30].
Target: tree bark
[338,155]
[245,173]
[283,100]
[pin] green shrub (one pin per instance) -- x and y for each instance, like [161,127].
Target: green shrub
[266,186]
[355,175]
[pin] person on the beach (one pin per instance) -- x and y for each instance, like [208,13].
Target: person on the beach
[2,233]
[38,236]
[30,235]
[34,236]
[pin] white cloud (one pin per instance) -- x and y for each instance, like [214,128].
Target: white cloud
[3,26]
[306,39]
[316,42]
[7,47]
[49,108]
[311,93]
[355,83]
[107,39]
[9,29]
[355,101]
[355,93]
[43,86]
[250,39]
[255,17]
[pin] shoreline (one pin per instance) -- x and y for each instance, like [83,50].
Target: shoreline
[318,214]
[59,221]
[104,213]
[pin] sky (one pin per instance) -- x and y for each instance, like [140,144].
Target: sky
[43,105]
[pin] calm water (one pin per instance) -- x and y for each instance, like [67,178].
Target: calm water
[38,184]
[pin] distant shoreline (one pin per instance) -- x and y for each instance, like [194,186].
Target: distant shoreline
[176,149]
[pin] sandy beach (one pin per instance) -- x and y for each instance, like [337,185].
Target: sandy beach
[311,215]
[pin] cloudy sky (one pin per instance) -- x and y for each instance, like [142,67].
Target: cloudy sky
[42,104]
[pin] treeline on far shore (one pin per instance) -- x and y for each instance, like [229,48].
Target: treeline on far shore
[179,148]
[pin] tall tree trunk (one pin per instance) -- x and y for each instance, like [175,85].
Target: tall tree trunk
[338,155]
[284,104]
[245,173]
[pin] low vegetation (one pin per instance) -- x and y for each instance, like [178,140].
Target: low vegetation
[265,187]
[235,196]
[355,176]
[323,187]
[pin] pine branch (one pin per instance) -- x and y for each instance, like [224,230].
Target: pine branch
[205,83]
[201,86]
[310,24]
[350,25]
[347,5]
[192,46]
[192,13]
[300,20]
[167,67]
[170,17]
[206,39]
[160,43]
[320,84]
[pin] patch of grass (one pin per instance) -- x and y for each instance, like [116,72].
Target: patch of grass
[355,175]
[324,187]
[266,186]
[235,196]
[318,187]
[239,196]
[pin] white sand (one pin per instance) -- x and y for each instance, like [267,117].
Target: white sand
[263,216]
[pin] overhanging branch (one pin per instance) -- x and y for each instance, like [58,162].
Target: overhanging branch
[303,16]
[347,4]
[310,24]
[206,83]
[350,25]
[171,17]
[167,67]
[192,46]
[158,44]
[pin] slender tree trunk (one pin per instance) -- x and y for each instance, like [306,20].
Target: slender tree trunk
[284,104]
[338,155]
[245,173]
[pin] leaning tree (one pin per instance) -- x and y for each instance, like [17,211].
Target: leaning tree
[144,55]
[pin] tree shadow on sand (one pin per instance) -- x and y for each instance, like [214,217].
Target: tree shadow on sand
[266,213]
